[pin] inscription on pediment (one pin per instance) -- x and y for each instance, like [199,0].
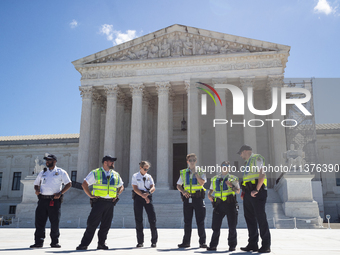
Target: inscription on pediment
[178,44]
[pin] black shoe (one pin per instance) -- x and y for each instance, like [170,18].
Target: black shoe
[139,245]
[203,245]
[264,250]
[232,248]
[80,247]
[183,245]
[102,247]
[211,248]
[249,248]
[36,245]
[153,245]
[55,245]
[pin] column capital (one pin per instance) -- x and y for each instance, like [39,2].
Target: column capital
[163,87]
[247,81]
[86,92]
[136,89]
[111,90]
[275,80]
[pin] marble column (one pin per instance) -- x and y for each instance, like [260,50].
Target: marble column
[145,120]
[193,119]
[126,141]
[249,133]
[85,133]
[151,131]
[120,133]
[278,133]
[110,123]
[95,132]
[221,135]
[136,127]
[171,144]
[163,135]
[102,129]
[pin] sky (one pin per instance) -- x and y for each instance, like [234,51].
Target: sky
[40,39]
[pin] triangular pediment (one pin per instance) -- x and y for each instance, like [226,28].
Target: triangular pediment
[179,41]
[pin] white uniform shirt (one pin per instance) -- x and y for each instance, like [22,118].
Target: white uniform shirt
[202,175]
[137,179]
[91,179]
[51,181]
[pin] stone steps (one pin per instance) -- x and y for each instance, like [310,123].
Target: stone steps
[169,211]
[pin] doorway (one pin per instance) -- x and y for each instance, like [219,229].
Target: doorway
[179,161]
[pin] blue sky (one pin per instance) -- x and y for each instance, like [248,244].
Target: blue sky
[40,39]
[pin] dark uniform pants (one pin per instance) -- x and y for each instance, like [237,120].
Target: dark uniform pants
[188,210]
[138,205]
[102,212]
[42,212]
[254,213]
[229,210]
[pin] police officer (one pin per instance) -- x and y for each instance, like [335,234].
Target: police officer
[190,184]
[107,185]
[48,188]
[254,187]
[143,187]
[224,186]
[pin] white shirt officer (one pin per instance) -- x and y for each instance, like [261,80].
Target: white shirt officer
[137,179]
[50,181]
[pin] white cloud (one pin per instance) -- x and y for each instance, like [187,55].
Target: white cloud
[117,37]
[74,24]
[324,7]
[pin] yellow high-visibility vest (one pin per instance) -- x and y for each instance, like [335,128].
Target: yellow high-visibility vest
[251,173]
[221,189]
[190,185]
[105,186]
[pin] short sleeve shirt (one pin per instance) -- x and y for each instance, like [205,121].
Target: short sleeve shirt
[202,175]
[138,180]
[50,181]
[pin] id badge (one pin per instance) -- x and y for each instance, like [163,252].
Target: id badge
[52,203]
[43,181]
[190,200]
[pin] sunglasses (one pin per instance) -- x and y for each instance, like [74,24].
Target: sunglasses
[145,169]
[192,160]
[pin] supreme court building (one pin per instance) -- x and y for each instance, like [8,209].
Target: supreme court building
[135,95]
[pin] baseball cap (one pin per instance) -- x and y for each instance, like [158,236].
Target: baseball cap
[108,158]
[244,147]
[50,156]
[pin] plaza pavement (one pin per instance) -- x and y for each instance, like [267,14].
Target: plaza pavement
[123,241]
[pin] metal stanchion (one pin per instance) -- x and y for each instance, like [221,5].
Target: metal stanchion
[295,223]
[123,223]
